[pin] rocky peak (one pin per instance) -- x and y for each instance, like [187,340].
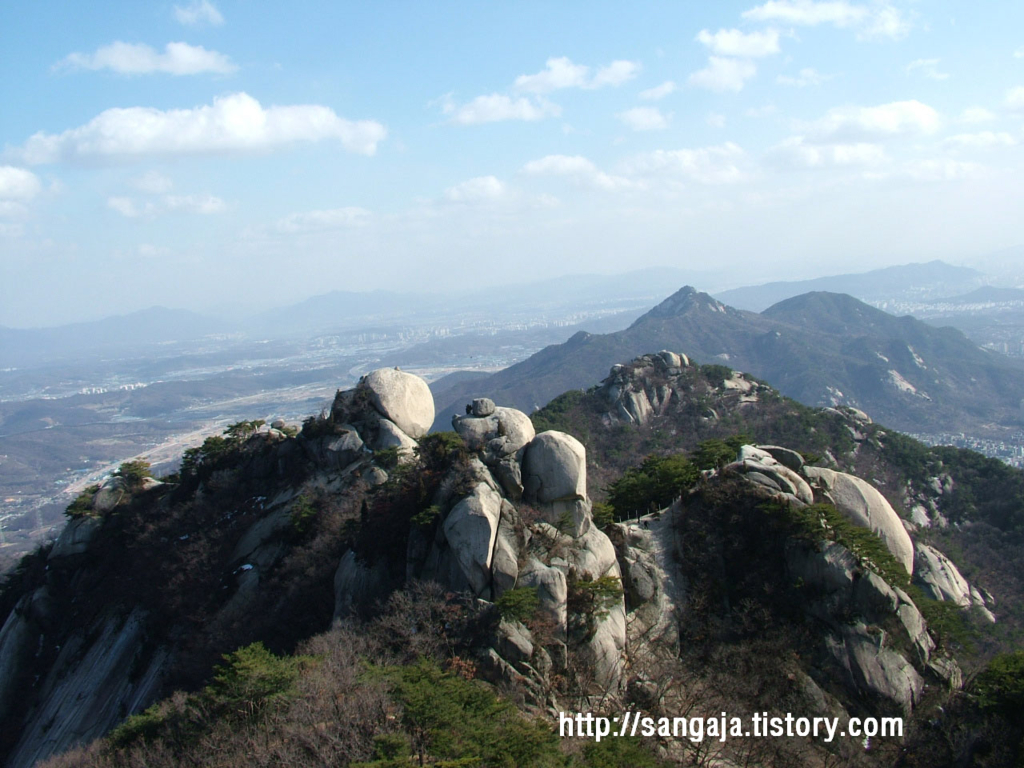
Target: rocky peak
[687,300]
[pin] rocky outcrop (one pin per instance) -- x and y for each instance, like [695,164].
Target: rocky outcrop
[862,504]
[637,392]
[764,469]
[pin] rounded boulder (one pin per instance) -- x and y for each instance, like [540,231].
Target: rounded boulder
[555,468]
[402,398]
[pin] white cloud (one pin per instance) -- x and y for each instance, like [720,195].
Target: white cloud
[943,170]
[1019,53]
[795,152]
[733,42]
[233,123]
[314,221]
[808,76]
[977,115]
[152,183]
[198,12]
[577,167]
[876,20]
[644,119]
[18,183]
[723,74]
[1015,98]
[808,13]
[557,73]
[126,207]
[140,59]
[708,165]
[715,120]
[929,68]
[560,72]
[981,140]
[480,189]
[856,123]
[658,91]
[202,204]
[498,107]
[615,74]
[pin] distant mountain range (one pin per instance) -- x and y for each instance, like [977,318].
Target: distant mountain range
[820,348]
[564,300]
[908,281]
[156,325]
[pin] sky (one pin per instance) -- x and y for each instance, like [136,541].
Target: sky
[205,154]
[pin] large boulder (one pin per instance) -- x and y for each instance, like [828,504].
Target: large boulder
[402,398]
[555,468]
[861,503]
[471,529]
[111,493]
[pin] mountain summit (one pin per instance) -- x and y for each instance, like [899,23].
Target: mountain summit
[686,300]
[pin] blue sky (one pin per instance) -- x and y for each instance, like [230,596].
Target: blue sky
[195,153]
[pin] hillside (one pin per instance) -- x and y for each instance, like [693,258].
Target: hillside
[820,348]
[486,580]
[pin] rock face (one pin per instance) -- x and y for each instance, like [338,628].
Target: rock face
[76,537]
[862,504]
[940,579]
[402,398]
[471,529]
[873,667]
[103,672]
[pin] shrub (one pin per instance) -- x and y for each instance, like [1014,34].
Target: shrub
[655,484]
[518,604]
[133,473]
[1000,686]
[303,513]
[252,679]
[82,505]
